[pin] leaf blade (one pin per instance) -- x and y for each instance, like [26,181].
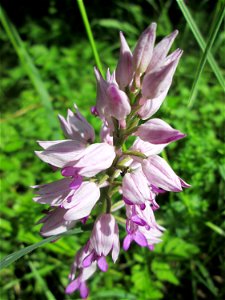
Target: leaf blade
[9,259]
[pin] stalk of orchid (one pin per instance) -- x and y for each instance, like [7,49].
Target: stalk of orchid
[99,172]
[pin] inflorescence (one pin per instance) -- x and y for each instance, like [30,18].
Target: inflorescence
[107,171]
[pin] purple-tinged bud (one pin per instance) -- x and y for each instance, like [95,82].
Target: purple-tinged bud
[160,174]
[119,106]
[94,111]
[161,50]
[135,188]
[105,236]
[156,82]
[124,69]
[147,148]
[143,51]
[156,131]
[101,101]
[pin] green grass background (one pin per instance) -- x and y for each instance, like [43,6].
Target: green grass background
[49,68]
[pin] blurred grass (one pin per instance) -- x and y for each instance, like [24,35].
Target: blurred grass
[30,68]
[189,263]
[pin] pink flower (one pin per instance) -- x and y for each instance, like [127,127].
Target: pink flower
[104,239]
[160,174]
[99,173]
[54,222]
[80,282]
[157,131]
[141,227]
[96,158]
[76,127]
[159,80]
[143,51]
[135,188]
[111,101]
[88,161]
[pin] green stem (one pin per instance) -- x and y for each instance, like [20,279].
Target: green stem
[204,57]
[89,34]
[103,179]
[108,204]
[135,153]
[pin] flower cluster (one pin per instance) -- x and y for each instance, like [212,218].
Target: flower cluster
[105,171]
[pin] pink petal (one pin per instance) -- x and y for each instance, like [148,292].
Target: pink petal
[160,174]
[157,131]
[160,51]
[84,291]
[62,153]
[73,286]
[147,148]
[127,241]
[84,199]
[158,81]
[143,51]
[96,158]
[119,106]
[102,264]
[124,69]
[140,239]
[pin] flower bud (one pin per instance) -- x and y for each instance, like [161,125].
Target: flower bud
[124,69]
[160,51]
[156,82]
[76,127]
[160,174]
[135,188]
[143,51]
[119,106]
[156,131]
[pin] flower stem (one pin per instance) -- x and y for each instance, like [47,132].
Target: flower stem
[89,34]
[108,204]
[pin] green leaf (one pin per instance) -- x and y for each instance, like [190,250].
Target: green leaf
[31,70]
[9,259]
[176,247]
[115,24]
[199,38]
[204,57]
[163,272]
[215,228]
[205,278]
[115,294]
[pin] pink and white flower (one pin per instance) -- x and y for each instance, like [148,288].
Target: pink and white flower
[95,172]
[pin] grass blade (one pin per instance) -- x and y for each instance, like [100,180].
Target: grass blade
[204,57]
[199,38]
[89,34]
[41,282]
[30,68]
[9,259]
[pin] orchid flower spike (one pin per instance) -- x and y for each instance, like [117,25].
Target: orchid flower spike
[95,175]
